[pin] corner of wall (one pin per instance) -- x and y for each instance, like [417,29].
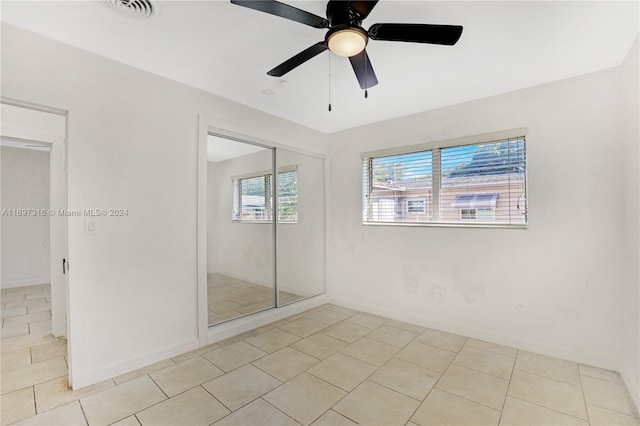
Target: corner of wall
[633,387]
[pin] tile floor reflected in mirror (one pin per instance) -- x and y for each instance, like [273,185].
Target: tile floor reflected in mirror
[230,298]
[326,366]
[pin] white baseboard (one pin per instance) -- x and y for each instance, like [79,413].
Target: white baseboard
[583,357]
[259,319]
[25,282]
[633,386]
[81,380]
[215,334]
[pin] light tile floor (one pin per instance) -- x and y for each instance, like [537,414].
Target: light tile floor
[326,366]
[230,298]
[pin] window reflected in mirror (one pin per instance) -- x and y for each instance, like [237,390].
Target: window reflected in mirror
[240,235]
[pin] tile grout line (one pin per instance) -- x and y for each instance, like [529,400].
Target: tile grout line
[614,411]
[627,397]
[35,405]
[159,402]
[262,398]
[269,374]
[584,398]
[367,378]
[550,378]
[323,380]
[550,409]
[82,409]
[483,372]
[506,395]
[158,386]
[598,378]
[438,380]
[214,397]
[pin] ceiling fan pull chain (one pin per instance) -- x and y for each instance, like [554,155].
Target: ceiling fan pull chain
[329,83]
[366,77]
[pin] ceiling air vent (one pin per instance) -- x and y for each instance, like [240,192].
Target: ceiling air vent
[135,8]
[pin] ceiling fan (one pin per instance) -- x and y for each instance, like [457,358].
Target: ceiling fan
[346,37]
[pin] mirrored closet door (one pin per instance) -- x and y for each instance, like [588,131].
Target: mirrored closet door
[240,233]
[300,230]
[255,222]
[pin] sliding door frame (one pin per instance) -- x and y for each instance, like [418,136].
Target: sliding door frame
[211,126]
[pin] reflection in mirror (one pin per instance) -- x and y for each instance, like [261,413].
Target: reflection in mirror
[240,233]
[300,231]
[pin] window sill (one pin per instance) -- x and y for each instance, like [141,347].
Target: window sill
[263,222]
[449,225]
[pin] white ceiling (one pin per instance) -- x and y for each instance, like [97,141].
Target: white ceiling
[227,50]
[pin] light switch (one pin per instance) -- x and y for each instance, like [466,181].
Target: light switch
[89,227]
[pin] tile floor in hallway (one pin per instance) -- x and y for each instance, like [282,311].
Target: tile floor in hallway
[230,298]
[326,366]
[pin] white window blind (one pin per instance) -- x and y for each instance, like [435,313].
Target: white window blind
[484,183]
[390,181]
[252,197]
[288,196]
[481,183]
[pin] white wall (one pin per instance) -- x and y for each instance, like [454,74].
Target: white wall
[133,139]
[25,239]
[630,223]
[245,250]
[301,245]
[555,287]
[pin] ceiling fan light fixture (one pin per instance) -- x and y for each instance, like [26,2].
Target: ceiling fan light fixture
[346,42]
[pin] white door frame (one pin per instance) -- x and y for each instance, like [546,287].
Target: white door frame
[58,203]
[238,131]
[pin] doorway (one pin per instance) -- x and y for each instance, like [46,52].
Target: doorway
[34,205]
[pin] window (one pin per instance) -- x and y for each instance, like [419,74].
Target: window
[252,197]
[416,206]
[481,215]
[480,183]
[288,196]
[390,180]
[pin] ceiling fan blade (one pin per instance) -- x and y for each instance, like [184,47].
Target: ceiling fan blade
[362,8]
[298,60]
[363,69]
[285,11]
[416,33]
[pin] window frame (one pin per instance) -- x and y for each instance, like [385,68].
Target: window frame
[435,147]
[267,176]
[422,200]
[476,214]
